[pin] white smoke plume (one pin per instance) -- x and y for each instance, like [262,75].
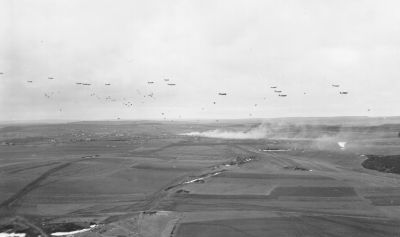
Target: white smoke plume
[276,130]
[321,138]
[259,132]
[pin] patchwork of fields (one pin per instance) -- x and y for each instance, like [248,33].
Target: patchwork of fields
[145,179]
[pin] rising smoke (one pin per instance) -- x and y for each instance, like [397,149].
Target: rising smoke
[321,137]
[258,132]
[263,131]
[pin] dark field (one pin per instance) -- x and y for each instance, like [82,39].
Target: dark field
[389,164]
[146,179]
[290,226]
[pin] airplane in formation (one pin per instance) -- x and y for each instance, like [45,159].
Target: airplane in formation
[151,95]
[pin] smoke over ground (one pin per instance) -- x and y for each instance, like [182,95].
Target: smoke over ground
[267,131]
[321,137]
[259,132]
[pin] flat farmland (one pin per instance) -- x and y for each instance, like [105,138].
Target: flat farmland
[150,179]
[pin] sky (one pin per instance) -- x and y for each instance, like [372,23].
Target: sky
[205,47]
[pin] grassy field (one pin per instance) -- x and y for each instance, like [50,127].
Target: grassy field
[146,178]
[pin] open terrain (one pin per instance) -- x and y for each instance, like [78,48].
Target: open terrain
[305,177]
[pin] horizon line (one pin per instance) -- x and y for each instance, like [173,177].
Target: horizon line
[38,121]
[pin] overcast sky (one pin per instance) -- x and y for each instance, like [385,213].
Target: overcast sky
[204,47]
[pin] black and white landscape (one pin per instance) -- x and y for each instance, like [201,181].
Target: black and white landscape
[199,118]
